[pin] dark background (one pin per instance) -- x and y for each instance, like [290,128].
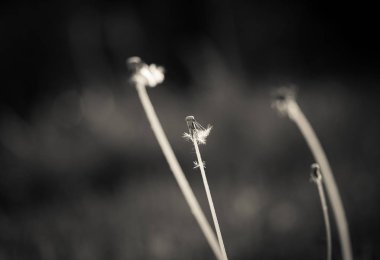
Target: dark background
[82,176]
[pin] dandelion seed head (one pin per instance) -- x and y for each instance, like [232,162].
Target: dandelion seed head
[196,131]
[144,74]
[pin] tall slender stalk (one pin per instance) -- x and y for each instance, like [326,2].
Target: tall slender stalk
[316,177]
[287,105]
[145,76]
[193,132]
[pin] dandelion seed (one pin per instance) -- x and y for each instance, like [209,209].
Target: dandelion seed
[187,137]
[202,133]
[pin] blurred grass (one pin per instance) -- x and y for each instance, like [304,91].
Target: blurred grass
[82,189]
[74,141]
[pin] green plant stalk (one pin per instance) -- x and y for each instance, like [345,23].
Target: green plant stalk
[177,171]
[209,198]
[307,131]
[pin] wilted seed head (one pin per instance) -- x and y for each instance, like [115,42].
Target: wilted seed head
[143,74]
[282,97]
[196,131]
[315,174]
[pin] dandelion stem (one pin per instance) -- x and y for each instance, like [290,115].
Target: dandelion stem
[209,198]
[177,171]
[307,131]
[317,178]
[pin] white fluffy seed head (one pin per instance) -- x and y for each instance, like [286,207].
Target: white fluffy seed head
[196,131]
[144,74]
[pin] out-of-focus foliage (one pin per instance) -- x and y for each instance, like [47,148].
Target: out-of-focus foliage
[81,174]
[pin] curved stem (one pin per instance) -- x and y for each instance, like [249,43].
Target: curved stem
[326,219]
[307,131]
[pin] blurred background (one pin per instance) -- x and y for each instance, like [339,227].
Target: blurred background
[82,176]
